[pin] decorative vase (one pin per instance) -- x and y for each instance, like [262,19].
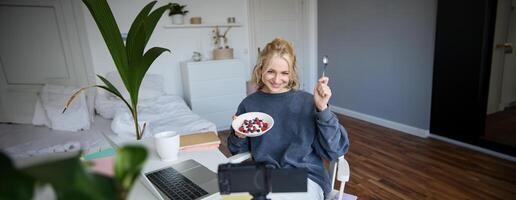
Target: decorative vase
[178,19]
[221,54]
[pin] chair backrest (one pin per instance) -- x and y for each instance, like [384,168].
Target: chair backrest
[332,171]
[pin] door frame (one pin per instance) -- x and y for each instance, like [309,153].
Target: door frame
[87,59]
[468,131]
[310,46]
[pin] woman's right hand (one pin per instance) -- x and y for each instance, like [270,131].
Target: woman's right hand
[236,132]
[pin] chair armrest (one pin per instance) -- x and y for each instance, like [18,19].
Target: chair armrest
[238,158]
[343,170]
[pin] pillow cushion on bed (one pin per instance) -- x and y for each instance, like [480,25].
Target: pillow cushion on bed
[106,104]
[151,87]
[49,107]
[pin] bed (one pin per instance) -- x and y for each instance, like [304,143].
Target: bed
[161,111]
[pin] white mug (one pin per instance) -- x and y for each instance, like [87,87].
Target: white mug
[167,145]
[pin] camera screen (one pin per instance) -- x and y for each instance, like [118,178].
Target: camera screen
[288,180]
[248,180]
[257,178]
[243,178]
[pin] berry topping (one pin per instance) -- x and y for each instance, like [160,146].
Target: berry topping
[255,125]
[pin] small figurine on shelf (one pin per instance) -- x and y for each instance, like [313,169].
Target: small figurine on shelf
[196,56]
[222,50]
[177,12]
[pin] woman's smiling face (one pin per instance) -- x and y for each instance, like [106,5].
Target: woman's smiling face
[276,76]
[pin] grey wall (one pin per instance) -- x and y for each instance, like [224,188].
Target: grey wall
[381,56]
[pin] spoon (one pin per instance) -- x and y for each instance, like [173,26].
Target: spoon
[325,62]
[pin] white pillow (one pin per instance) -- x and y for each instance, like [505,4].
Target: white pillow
[151,87]
[75,118]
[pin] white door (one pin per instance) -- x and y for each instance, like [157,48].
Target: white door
[284,18]
[508,97]
[501,60]
[39,44]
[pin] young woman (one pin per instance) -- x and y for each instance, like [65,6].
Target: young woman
[305,131]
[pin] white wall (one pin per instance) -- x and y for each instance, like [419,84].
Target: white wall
[181,41]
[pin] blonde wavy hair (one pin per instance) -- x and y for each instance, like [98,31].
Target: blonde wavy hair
[283,49]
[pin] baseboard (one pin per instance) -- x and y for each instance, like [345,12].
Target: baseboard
[510,104]
[504,106]
[382,122]
[473,147]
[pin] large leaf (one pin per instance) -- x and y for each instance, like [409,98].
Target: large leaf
[14,184]
[70,179]
[111,88]
[69,176]
[132,64]
[137,46]
[128,164]
[150,56]
[137,39]
[152,20]
[135,42]
[108,27]
[144,64]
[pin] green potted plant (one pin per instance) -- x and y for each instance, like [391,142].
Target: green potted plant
[177,12]
[130,59]
[71,178]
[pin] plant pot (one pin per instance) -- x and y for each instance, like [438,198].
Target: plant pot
[178,19]
[221,54]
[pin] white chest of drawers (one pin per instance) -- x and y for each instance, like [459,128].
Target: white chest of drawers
[214,89]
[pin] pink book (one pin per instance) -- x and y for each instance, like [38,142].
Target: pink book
[200,148]
[103,166]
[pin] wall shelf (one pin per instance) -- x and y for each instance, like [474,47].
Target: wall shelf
[206,25]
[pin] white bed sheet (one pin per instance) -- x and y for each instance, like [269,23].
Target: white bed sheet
[164,113]
[25,140]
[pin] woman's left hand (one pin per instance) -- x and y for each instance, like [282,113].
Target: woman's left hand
[322,93]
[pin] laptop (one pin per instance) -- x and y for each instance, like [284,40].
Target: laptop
[200,181]
[185,180]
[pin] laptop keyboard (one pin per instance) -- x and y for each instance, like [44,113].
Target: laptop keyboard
[174,185]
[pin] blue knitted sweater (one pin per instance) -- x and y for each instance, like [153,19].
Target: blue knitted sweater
[300,138]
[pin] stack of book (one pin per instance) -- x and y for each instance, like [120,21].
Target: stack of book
[199,141]
[103,161]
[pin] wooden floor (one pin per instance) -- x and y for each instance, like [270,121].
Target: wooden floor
[387,164]
[501,127]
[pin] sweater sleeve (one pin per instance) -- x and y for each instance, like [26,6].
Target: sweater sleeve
[238,145]
[332,138]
